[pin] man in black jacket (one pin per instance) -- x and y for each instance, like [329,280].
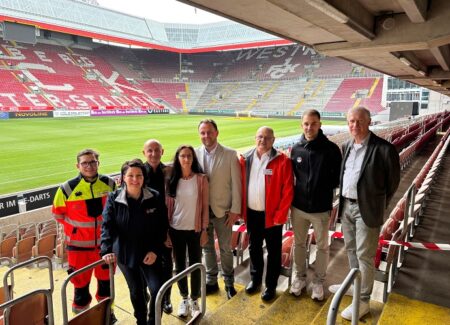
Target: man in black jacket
[370,175]
[316,163]
[157,177]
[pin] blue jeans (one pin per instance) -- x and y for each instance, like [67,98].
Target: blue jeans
[138,279]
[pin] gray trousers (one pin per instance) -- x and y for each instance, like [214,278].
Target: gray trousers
[301,222]
[226,254]
[361,243]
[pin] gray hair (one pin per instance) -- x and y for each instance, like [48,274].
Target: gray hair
[360,109]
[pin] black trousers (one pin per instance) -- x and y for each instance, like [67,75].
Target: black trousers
[138,279]
[256,228]
[190,240]
[167,270]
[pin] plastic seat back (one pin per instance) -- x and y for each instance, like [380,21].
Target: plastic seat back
[33,310]
[98,314]
[6,246]
[23,249]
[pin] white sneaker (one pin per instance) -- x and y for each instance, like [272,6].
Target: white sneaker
[364,309]
[195,308]
[183,310]
[335,287]
[317,291]
[297,286]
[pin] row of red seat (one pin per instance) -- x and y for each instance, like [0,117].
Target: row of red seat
[25,241]
[405,216]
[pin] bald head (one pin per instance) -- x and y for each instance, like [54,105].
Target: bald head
[153,152]
[265,138]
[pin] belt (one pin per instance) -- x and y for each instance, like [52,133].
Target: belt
[255,212]
[350,200]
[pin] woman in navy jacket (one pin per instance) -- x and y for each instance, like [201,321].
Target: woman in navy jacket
[134,230]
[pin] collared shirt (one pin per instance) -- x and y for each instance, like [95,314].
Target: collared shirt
[256,182]
[352,169]
[208,160]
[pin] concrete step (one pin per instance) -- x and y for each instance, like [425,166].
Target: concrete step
[402,310]
[242,309]
[124,310]
[371,318]
[288,309]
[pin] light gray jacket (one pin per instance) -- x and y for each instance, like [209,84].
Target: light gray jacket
[224,181]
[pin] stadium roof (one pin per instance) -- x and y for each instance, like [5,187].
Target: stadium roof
[85,19]
[408,39]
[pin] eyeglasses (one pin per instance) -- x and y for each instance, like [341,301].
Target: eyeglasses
[92,163]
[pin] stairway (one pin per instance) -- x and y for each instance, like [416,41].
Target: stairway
[246,309]
[402,310]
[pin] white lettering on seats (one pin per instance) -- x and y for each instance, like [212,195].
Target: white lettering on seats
[25,67]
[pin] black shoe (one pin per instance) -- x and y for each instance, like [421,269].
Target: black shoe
[268,294]
[231,291]
[252,287]
[167,306]
[212,288]
[113,319]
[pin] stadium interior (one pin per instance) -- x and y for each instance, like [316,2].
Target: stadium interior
[64,72]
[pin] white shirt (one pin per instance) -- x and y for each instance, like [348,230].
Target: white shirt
[256,182]
[352,169]
[185,204]
[208,160]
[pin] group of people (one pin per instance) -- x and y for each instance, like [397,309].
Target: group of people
[161,213]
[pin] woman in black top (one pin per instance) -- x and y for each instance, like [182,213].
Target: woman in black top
[133,234]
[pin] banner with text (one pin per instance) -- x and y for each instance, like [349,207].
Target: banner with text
[8,205]
[85,113]
[118,112]
[39,199]
[31,114]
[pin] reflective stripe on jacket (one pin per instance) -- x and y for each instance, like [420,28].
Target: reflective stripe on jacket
[78,205]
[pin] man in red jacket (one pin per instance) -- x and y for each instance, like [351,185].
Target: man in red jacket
[267,192]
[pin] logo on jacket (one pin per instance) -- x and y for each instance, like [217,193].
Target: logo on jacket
[150,210]
[299,160]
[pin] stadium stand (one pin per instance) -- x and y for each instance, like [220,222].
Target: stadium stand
[47,77]
[353,92]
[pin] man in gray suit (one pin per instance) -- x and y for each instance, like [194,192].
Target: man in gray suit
[370,175]
[221,164]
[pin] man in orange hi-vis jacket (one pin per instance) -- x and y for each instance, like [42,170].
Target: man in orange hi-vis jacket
[78,206]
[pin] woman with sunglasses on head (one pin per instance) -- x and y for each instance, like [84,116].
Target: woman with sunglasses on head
[134,232]
[188,208]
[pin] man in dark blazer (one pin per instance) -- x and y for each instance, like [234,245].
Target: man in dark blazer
[370,175]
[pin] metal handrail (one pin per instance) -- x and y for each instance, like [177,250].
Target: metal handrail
[176,278]
[353,276]
[47,292]
[77,272]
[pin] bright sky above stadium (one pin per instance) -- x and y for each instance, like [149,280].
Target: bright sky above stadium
[165,11]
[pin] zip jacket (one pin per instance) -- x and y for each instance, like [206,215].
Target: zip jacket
[279,186]
[132,228]
[78,205]
[316,166]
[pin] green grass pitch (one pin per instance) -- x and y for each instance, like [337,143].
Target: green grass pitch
[41,152]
